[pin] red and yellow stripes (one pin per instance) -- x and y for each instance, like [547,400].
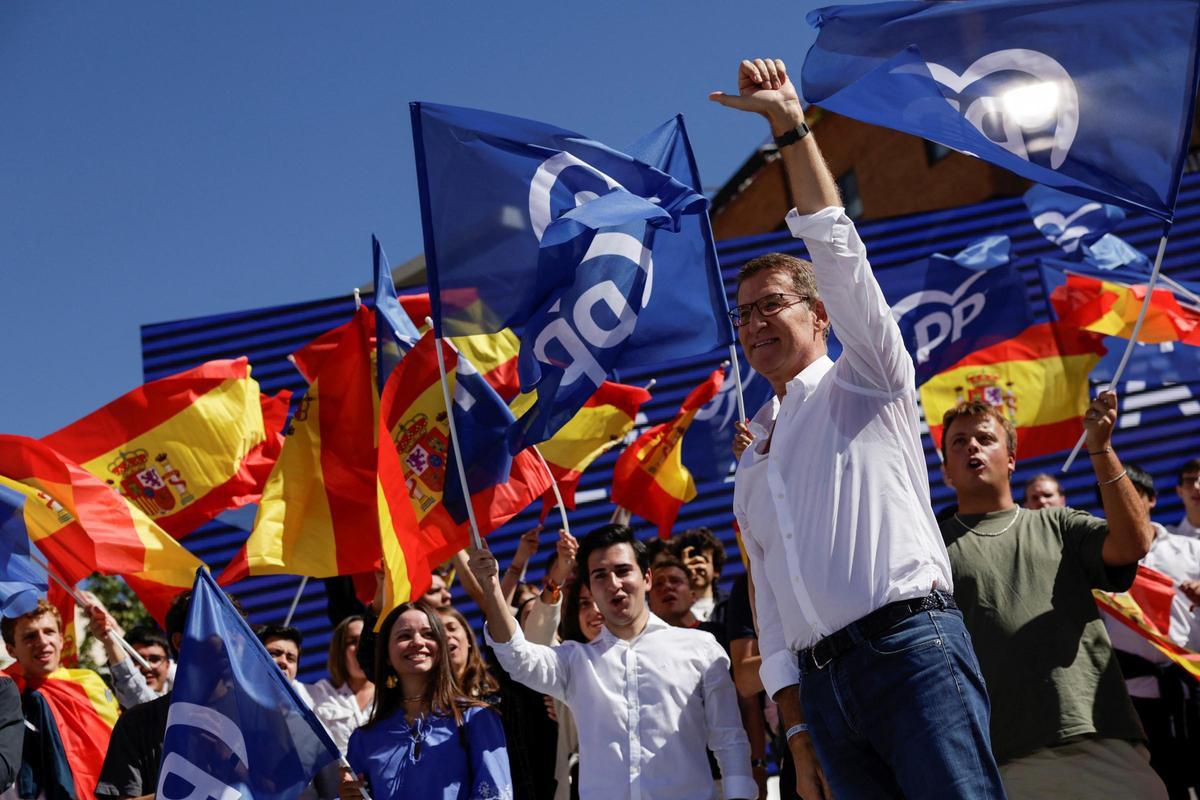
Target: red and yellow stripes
[85,712]
[1112,309]
[649,478]
[1146,610]
[1038,379]
[183,448]
[82,526]
[317,514]
[600,425]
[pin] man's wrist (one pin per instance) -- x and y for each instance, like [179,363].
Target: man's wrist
[786,118]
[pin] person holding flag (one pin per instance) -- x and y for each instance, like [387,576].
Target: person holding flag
[852,582]
[1061,716]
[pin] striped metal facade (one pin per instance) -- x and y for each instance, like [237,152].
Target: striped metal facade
[1159,427]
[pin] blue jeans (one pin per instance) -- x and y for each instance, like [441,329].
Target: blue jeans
[904,714]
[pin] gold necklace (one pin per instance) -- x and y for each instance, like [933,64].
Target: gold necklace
[1004,530]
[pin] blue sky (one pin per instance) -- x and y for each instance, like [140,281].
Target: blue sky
[170,160]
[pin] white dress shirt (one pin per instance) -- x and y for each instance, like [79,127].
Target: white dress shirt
[647,708]
[1185,528]
[338,710]
[1177,557]
[835,517]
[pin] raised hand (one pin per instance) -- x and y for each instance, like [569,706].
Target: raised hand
[1099,421]
[765,88]
[567,547]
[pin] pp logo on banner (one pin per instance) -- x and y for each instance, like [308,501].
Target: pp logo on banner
[1023,111]
[572,335]
[941,326]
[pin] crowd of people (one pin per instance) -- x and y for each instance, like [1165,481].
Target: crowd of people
[873,648]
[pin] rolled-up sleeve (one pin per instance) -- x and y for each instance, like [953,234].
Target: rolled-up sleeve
[726,736]
[872,345]
[129,684]
[541,668]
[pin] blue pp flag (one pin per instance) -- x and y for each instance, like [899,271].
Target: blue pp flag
[707,450]
[1090,96]
[1082,228]
[395,332]
[598,259]
[236,727]
[949,306]
[22,580]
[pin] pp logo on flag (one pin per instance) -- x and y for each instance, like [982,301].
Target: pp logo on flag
[1030,102]
[936,327]
[600,316]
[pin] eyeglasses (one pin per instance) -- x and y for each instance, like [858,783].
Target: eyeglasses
[768,306]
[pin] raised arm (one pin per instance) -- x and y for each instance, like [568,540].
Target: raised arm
[533,665]
[873,347]
[1129,531]
[764,88]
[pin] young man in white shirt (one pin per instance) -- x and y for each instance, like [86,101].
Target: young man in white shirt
[1188,489]
[649,698]
[852,581]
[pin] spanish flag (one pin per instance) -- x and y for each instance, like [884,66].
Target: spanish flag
[1146,610]
[649,479]
[603,422]
[416,464]
[1039,379]
[78,704]
[1112,309]
[81,525]
[317,514]
[182,448]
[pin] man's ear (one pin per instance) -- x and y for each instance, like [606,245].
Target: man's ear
[649,576]
[820,314]
[11,653]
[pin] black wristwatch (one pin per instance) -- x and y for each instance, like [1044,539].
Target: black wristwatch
[791,137]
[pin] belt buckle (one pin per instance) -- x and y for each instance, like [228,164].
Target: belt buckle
[817,663]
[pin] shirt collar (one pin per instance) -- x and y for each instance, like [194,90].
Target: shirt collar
[652,623]
[802,386]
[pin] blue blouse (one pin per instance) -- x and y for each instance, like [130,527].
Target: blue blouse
[432,758]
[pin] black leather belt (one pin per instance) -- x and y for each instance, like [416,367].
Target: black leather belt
[881,619]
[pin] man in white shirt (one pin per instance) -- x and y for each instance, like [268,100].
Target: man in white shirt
[1188,489]
[649,698]
[851,576]
[1146,670]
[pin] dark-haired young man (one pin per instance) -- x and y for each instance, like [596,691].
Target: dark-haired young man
[704,556]
[861,645]
[1187,486]
[671,594]
[1061,716]
[650,698]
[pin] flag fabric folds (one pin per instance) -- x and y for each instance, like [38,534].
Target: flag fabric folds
[413,421]
[236,726]
[597,257]
[708,448]
[1038,379]
[22,580]
[949,306]
[1081,227]
[182,448]
[1146,610]
[73,712]
[81,525]
[317,513]
[1007,81]
[649,479]
[393,327]
[1107,301]
[603,422]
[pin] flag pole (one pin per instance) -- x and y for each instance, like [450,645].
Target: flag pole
[1133,337]
[562,507]
[476,539]
[126,646]
[295,601]
[737,379]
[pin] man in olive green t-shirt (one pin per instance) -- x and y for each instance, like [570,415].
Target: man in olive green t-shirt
[1062,723]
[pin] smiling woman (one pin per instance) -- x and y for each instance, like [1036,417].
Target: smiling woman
[424,738]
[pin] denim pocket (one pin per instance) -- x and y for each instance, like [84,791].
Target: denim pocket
[915,633]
